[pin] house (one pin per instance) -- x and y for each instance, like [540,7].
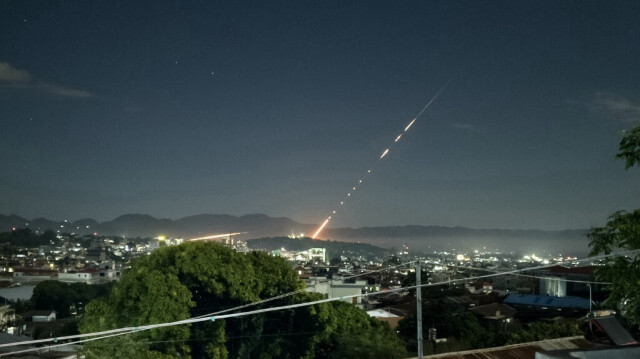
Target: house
[40,316]
[337,288]
[611,352]
[496,317]
[87,275]
[532,307]
[560,281]
[479,287]
[529,350]
[546,302]
[31,275]
[7,316]
[385,316]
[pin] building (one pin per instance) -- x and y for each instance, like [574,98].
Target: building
[563,281]
[319,254]
[337,288]
[385,316]
[7,316]
[30,275]
[87,275]
[496,317]
[40,316]
[531,306]
[523,350]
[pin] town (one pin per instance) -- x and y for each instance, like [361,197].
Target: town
[502,293]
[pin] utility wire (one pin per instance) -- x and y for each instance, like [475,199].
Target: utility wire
[300,290]
[524,275]
[129,330]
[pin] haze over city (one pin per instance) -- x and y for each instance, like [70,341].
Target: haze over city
[183,108]
[319,179]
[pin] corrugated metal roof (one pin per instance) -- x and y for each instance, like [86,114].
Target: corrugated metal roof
[547,301]
[615,331]
[380,313]
[586,270]
[490,310]
[519,351]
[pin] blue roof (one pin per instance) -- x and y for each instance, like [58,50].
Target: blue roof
[547,301]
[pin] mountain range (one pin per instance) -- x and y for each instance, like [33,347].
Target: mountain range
[417,237]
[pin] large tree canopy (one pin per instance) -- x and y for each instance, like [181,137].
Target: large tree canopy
[193,279]
[622,232]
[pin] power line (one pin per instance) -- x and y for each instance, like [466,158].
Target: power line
[300,291]
[128,330]
[527,275]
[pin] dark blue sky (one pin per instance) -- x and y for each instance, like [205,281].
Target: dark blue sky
[181,108]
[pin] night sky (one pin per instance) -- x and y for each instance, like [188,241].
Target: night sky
[180,108]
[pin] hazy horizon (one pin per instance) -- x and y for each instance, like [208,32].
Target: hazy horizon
[283,107]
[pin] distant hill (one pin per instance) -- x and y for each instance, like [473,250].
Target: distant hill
[142,225]
[420,238]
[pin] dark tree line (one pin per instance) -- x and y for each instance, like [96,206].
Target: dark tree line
[25,237]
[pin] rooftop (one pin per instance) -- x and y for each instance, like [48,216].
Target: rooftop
[520,351]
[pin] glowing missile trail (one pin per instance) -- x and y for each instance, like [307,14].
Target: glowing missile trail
[386,151]
[217,236]
[321,228]
[409,125]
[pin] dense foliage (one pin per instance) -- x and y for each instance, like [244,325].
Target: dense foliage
[62,297]
[622,232]
[193,279]
[449,322]
[546,330]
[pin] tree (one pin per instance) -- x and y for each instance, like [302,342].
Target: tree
[25,237]
[199,278]
[54,295]
[630,148]
[60,296]
[449,322]
[378,344]
[622,232]
[541,330]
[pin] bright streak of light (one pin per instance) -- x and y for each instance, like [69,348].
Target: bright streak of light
[386,151]
[409,125]
[321,228]
[217,236]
